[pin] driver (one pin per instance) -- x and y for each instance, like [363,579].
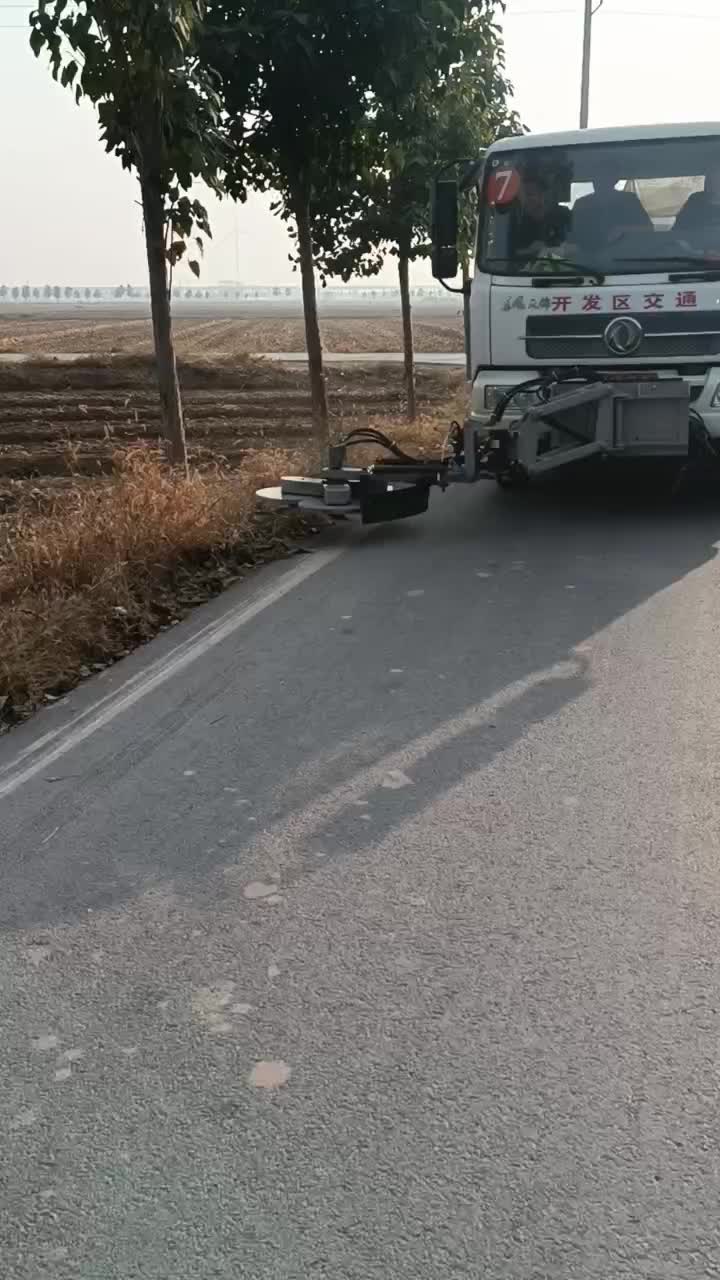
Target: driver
[540,223]
[606,214]
[702,209]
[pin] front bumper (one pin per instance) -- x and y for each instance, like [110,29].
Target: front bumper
[704,388]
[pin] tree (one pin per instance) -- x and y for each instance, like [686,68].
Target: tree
[15,293]
[25,292]
[295,78]
[68,291]
[56,292]
[135,60]
[3,292]
[452,115]
[47,292]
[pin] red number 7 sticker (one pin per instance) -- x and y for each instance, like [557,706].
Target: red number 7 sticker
[503,186]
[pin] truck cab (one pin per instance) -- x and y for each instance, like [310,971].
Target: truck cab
[596,249]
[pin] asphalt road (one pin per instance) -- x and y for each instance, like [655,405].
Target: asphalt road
[420,829]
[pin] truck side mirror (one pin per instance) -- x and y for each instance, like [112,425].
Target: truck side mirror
[444,228]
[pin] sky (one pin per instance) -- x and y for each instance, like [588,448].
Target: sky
[70,213]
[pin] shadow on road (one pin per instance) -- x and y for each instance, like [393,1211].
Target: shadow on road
[423,653]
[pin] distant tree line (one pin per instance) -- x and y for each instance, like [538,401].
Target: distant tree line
[54,293]
[343,108]
[68,293]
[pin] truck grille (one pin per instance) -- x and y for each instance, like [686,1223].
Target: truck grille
[581,337]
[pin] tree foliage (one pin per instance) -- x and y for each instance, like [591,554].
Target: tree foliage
[453,114]
[458,106]
[310,69]
[137,62]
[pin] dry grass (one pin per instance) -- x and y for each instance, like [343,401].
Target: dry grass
[106,565]
[425,437]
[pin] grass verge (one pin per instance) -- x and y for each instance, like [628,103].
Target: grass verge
[101,569]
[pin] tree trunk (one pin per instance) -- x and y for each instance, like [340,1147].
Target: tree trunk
[169,387]
[466,319]
[313,341]
[408,344]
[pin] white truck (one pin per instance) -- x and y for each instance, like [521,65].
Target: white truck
[594,316]
[599,249]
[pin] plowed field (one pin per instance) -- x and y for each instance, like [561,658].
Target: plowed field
[58,421]
[211,335]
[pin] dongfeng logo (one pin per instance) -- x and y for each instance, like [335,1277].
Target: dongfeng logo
[623,336]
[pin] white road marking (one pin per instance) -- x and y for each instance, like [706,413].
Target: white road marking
[55,744]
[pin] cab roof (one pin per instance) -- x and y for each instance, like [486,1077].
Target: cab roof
[628,133]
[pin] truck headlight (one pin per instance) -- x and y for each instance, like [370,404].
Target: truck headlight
[520,403]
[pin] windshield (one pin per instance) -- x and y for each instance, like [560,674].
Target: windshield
[612,208]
